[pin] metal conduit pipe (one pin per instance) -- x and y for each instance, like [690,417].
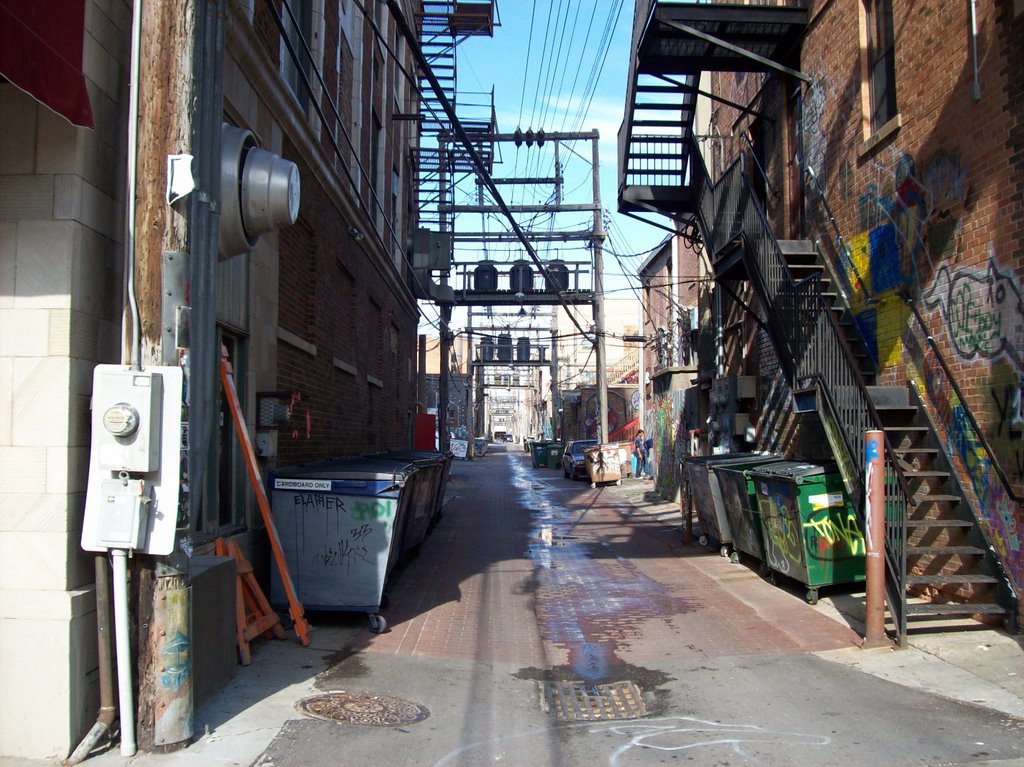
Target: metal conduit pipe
[108,710]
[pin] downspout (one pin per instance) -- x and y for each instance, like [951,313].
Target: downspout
[976,85]
[107,712]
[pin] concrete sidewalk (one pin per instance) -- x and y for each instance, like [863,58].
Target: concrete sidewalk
[967,661]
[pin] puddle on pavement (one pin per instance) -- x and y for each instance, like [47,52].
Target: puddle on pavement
[589,604]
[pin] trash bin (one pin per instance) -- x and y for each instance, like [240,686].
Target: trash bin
[340,524]
[479,446]
[434,471]
[707,496]
[811,532]
[539,451]
[555,451]
[603,464]
[739,501]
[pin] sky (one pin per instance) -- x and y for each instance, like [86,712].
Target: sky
[557,65]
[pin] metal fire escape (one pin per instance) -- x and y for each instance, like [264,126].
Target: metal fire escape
[440,159]
[935,546]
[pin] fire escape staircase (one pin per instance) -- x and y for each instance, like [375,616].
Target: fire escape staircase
[939,563]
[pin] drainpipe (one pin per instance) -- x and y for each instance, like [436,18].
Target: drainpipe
[124,656]
[107,708]
[976,85]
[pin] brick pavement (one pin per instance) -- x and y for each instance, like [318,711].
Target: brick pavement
[528,568]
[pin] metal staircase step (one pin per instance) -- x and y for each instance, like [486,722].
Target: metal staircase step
[921,523]
[973,551]
[936,498]
[958,608]
[923,580]
[927,474]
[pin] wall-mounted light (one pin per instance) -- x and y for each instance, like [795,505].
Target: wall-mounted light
[355,234]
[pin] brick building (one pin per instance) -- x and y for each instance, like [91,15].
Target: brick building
[857,190]
[319,319]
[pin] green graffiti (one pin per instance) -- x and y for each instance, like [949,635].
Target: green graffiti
[371,510]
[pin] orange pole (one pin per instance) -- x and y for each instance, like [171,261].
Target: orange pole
[295,608]
[874,539]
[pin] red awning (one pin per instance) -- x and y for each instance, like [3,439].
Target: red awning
[41,53]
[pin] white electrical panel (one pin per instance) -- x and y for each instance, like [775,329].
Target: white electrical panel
[123,513]
[131,501]
[126,410]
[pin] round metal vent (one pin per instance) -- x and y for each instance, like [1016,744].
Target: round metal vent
[363,709]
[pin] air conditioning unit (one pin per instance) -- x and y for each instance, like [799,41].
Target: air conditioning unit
[432,250]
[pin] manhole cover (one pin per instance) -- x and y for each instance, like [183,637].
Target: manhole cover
[579,701]
[363,708]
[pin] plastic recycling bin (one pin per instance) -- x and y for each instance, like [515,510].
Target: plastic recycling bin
[811,531]
[340,524]
[707,496]
[603,464]
[739,500]
[555,451]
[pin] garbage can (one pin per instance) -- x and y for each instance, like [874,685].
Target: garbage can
[555,451]
[340,524]
[603,464]
[811,531]
[707,497]
[739,501]
[479,446]
[434,469]
[539,451]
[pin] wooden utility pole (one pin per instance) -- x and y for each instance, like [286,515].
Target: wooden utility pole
[176,85]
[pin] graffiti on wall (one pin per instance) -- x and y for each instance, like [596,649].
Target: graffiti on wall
[982,312]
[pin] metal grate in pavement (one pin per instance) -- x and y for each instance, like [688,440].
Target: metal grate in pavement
[582,702]
[363,709]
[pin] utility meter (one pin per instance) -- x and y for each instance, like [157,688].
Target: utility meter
[126,407]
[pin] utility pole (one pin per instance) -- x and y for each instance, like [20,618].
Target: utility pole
[599,351]
[443,440]
[178,48]
[556,392]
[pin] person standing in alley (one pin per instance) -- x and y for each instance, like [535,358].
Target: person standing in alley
[649,458]
[640,453]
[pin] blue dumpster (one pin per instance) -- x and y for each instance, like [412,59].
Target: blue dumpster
[341,524]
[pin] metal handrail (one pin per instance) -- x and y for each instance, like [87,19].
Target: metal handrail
[843,247]
[720,207]
[980,435]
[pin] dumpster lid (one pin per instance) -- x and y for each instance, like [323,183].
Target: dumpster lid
[354,468]
[723,459]
[794,470]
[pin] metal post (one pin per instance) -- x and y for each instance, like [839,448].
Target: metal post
[556,392]
[421,374]
[443,441]
[874,537]
[599,352]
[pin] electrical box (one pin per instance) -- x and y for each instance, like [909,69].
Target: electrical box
[126,407]
[123,513]
[138,444]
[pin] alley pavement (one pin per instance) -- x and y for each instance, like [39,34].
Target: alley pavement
[545,622]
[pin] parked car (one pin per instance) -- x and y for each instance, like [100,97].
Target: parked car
[573,464]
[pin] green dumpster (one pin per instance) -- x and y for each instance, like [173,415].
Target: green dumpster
[555,450]
[539,453]
[811,532]
[739,501]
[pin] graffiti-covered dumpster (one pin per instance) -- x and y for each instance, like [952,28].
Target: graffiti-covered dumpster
[603,464]
[739,501]
[811,531]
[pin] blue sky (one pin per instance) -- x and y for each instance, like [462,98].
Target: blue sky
[541,64]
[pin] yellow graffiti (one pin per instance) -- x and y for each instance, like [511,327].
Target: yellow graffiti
[835,529]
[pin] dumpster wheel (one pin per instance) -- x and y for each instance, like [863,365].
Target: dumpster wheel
[724,550]
[812,596]
[703,540]
[377,623]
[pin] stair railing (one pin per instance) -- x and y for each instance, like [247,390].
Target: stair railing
[805,326]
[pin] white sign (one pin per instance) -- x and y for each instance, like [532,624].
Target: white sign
[460,447]
[302,484]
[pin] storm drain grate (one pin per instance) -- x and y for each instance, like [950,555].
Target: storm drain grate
[363,709]
[582,702]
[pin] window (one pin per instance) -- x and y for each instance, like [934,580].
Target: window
[298,26]
[375,157]
[881,63]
